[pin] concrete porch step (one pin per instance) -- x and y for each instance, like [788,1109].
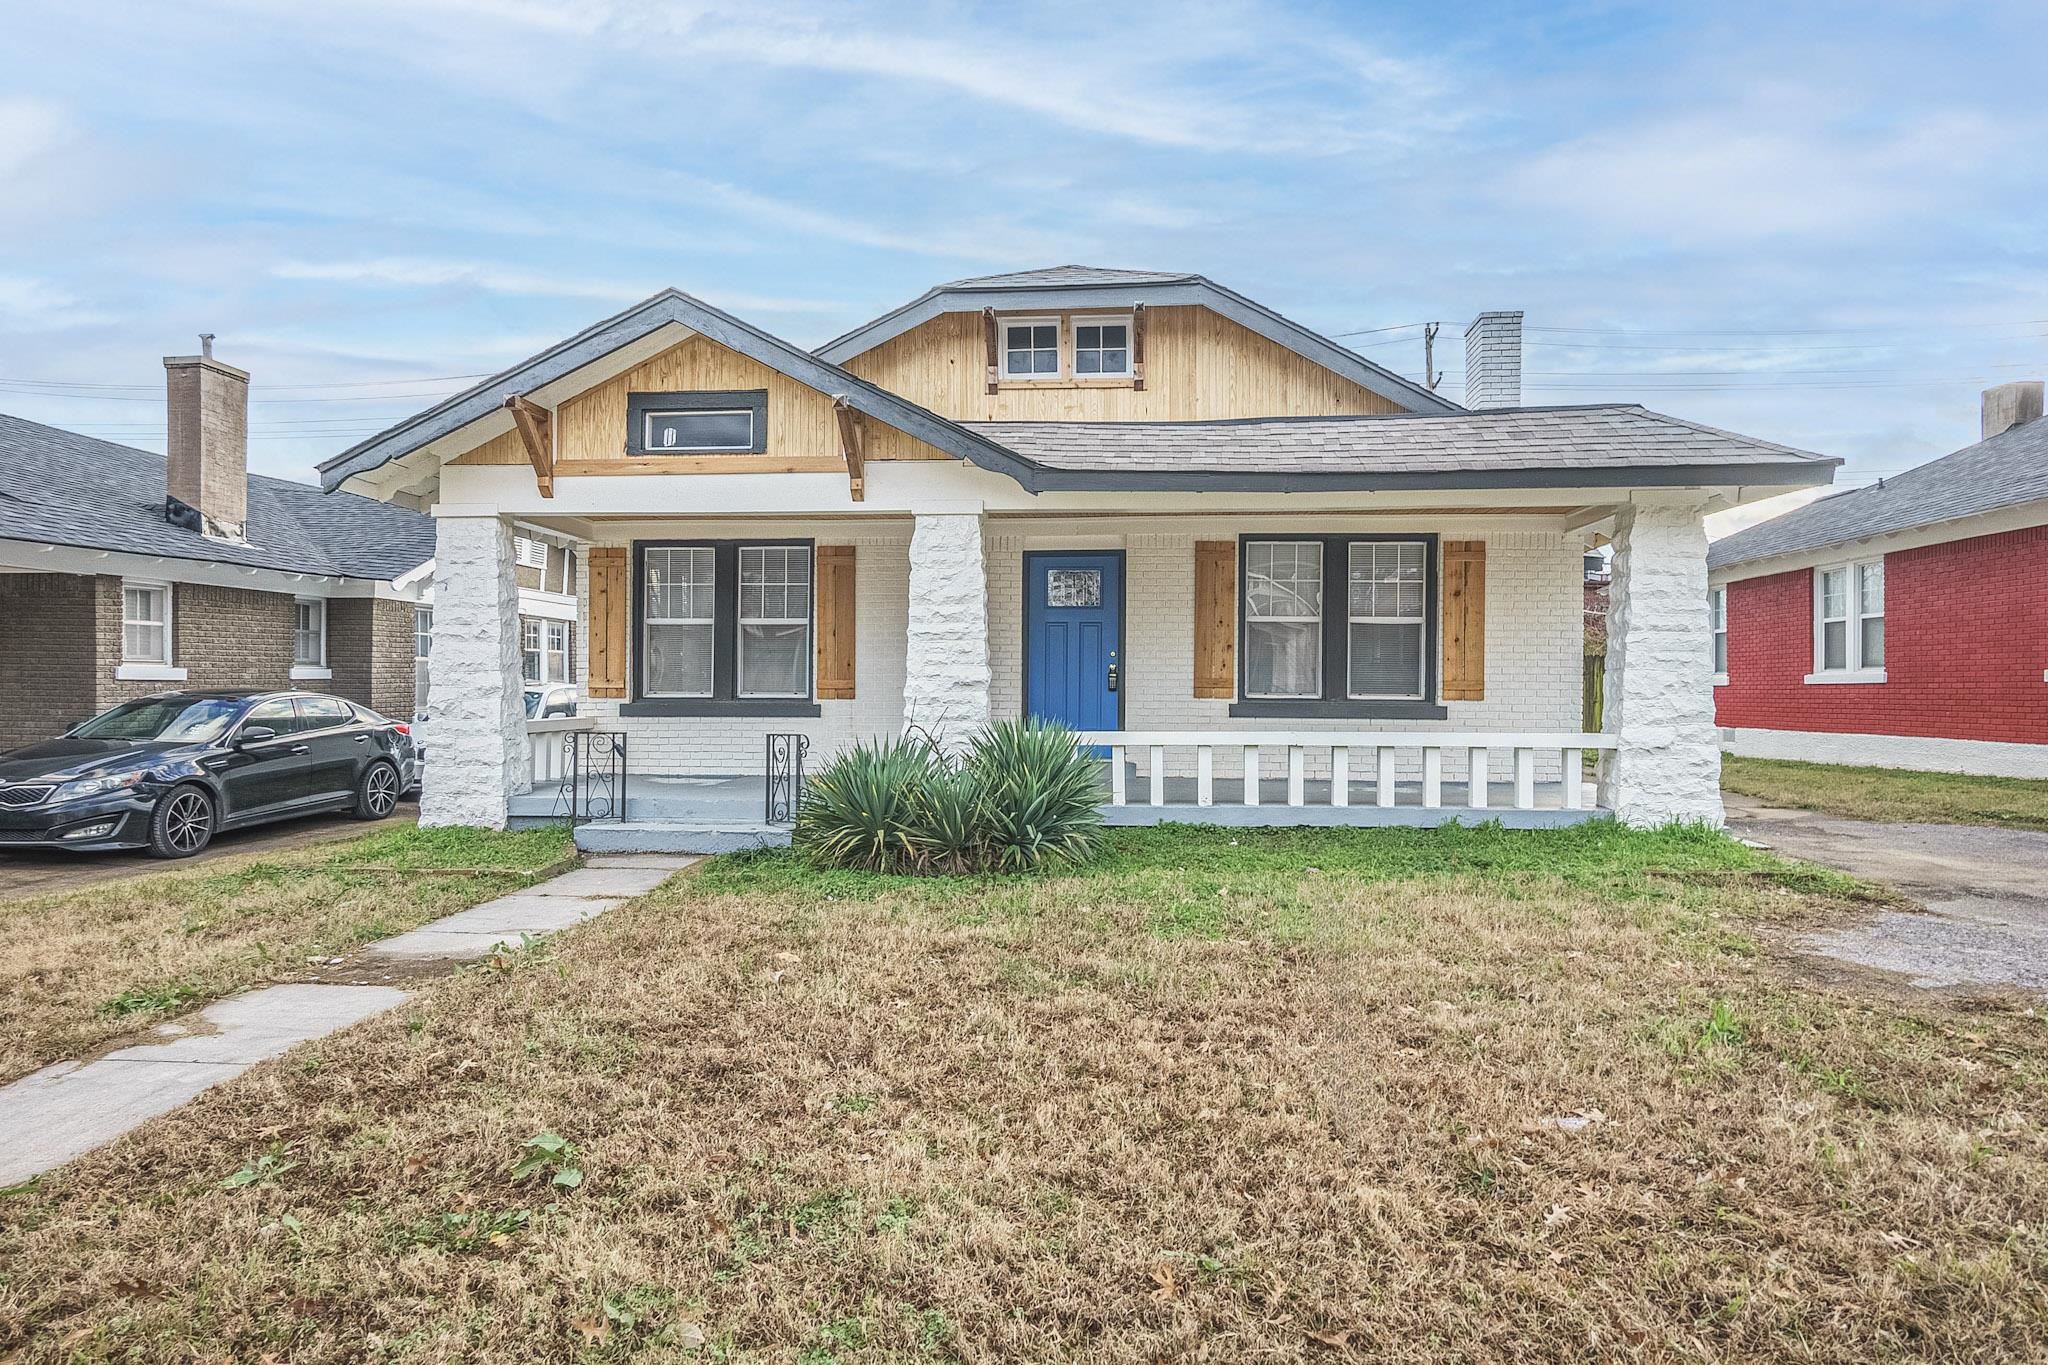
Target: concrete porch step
[679,836]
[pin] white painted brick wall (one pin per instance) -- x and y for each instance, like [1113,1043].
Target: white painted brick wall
[1534,640]
[727,745]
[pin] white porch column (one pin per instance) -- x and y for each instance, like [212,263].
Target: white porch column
[946,668]
[476,722]
[1660,694]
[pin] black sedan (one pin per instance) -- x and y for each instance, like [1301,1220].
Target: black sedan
[168,772]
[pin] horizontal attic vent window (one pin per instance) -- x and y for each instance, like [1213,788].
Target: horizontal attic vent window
[697,423]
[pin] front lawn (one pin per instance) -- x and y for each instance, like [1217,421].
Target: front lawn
[84,966]
[1890,794]
[1227,1096]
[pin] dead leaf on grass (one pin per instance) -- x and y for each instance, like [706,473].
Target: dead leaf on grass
[592,1330]
[1557,1217]
[1169,1284]
[1336,1341]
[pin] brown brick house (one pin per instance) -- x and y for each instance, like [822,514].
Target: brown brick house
[124,572]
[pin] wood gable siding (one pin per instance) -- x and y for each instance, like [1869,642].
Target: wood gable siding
[803,433]
[1199,365]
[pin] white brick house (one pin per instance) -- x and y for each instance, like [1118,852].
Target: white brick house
[1134,502]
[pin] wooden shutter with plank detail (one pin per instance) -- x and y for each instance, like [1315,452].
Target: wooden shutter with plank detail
[835,623]
[609,612]
[1464,620]
[1216,619]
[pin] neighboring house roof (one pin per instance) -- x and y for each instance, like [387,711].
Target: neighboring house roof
[1561,446]
[67,489]
[621,329]
[2007,470]
[1082,286]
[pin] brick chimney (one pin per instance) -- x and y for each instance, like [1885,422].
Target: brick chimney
[2011,405]
[1493,361]
[207,456]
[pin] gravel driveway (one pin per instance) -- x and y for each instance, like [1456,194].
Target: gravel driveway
[1985,892]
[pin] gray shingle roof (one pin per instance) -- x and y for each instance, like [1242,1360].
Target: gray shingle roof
[1054,276]
[2009,469]
[67,489]
[1585,444]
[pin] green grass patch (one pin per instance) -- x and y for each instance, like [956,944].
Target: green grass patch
[1890,794]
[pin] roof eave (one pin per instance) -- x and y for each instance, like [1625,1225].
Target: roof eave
[1802,473]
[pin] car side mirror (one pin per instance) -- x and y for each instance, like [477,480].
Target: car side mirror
[254,734]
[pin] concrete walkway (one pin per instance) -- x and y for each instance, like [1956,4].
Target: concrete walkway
[1984,892]
[68,1109]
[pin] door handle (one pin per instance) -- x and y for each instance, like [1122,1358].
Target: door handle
[299,749]
[1112,677]
[362,739]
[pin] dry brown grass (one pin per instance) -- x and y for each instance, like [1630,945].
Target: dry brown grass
[82,967]
[1230,1097]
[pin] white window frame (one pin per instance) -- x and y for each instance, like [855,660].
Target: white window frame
[1420,621]
[648,621]
[1125,320]
[161,668]
[647,420]
[310,670]
[1854,669]
[1717,626]
[1316,619]
[1059,350]
[538,677]
[422,629]
[741,621]
[550,654]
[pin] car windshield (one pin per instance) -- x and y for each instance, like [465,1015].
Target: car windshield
[186,720]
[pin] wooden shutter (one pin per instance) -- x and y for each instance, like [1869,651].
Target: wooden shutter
[835,623]
[609,612]
[1464,620]
[1216,619]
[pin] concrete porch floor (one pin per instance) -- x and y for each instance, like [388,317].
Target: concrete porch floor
[723,814]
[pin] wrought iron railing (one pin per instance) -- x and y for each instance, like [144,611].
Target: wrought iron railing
[785,776]
[593,776]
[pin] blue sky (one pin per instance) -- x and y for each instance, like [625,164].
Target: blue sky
[1821,224]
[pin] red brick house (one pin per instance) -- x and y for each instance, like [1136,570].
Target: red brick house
[1904,624]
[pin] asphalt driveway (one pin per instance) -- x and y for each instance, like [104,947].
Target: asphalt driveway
[37,872]
[1984,894]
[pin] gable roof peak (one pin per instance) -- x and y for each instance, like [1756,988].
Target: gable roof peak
[1056,276]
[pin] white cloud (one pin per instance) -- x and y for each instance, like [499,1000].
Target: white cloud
[28,304]
[412,272]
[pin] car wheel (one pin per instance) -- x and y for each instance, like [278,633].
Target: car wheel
[377,792]
[182,823]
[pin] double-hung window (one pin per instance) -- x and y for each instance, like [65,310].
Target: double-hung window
[1031,348]
[529,649]
[1848,622]
[555,651]
[309,633]
[725,626]
[1717,617]
[1362,645]
[145,623]
[422,646]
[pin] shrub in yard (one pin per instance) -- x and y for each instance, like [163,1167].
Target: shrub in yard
[1021,799]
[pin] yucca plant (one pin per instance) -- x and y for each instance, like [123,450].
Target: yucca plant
[1040,795]
[867,808]
[950,834]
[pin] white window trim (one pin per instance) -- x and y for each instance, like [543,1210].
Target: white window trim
[1852,624]
[648,621]
[1059,349]
[741,621]
[310,670]
[1717,627]
[1128,322]
[164,669]
[549,654]
[1322,590]
[647,420]
[1420,622]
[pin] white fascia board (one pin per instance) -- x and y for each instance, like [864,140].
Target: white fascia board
[31,556]
[1871,547]
[553,606]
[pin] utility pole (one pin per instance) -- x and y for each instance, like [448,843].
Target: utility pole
[1430,374]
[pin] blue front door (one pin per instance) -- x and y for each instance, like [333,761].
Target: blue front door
[1073,636]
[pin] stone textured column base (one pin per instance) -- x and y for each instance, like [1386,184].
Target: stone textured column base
[946,664]
[1660,694]
[476,719]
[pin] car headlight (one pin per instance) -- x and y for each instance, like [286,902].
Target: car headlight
[95,786]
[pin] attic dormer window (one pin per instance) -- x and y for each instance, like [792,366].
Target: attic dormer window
[1031,348]
[709,422]
[1102,347]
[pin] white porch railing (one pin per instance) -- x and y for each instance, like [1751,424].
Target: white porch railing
[546,754]
[1386,746]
